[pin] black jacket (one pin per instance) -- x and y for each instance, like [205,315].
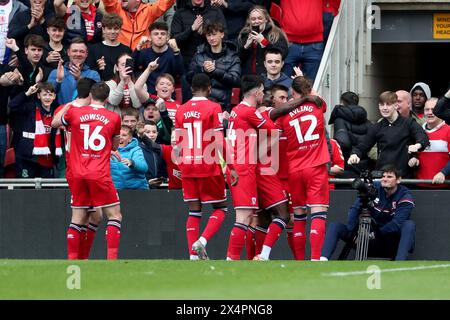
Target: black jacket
[226,75]
[392,141]
[350,127]
[442,109]
[79,30]
[181,30]
[236,14]
[253,58]
[153,156]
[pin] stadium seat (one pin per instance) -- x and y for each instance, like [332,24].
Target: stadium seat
[235,96]
[10,168]
[276,13]
[178,95]
[8,136]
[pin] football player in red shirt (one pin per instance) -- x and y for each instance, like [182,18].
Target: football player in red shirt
[94,134]
[308,156]
[199,135]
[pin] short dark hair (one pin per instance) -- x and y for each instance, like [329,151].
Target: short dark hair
[350,98]
[214,26]
[302,86]
[130,112]
[200,82]
[159,26]
[77,40]
[391,169]
[100,91]
[277,87]
[127,129]
[149,102]
[150,123]
[56,22]
[34,40]
[46,86]
[273,50]
[84,86]
[250,82]
[111,20]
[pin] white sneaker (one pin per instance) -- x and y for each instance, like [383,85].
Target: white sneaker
[323,259]
[200,249]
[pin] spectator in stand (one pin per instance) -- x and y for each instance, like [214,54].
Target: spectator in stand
[273,63]
[31,21]
[33,136]
[188,30]
[303,23]
[55,50]
[122,94]
[9,10]
[130,117]
[65,77]
[103,55]
[405,106]
[337,162]
[165,50]
[9,77]
[219,60]
[235,12]
[137,17]
[167,17]
[83,19]
[128,166]
[442,109]
[30,66]
[157,112]
[350,127]
[420,93]
[165,87]
[434,162]
[147,133]
[258,34]
[393,136]
[330,10]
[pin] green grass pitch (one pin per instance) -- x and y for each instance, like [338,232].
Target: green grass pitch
[223,280]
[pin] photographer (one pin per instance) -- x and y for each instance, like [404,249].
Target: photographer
[392,233]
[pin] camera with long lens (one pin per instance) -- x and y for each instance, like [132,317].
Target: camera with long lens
[364,185]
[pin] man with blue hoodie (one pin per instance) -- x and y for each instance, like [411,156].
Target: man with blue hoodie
[128,166]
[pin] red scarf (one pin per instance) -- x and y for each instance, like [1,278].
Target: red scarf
[42,138]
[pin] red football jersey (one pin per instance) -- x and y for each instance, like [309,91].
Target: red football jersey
[304,128]
[435,156]
[92,131]
[242,135]
[171,105]
[173,170]
[269,153]
[196,123]
[337,158]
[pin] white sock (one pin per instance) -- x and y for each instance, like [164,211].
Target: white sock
[265,252]
[193,257]
[229,259]
[203,241]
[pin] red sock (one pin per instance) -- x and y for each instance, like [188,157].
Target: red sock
[250,243]
[87,243]
[83,238]
[317,233]
[214,223]
[260,236]
[299,236]
[73,241]
[193,229]
[237,241]
[113,239]
[290,240]
[273,232]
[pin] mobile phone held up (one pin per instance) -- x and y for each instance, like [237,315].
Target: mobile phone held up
[129,63]
[255,29]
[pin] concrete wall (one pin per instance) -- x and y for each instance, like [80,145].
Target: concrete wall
[33,225]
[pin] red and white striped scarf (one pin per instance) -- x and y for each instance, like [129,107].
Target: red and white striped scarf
[42,138]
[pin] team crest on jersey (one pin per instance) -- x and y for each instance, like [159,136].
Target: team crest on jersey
[253,201]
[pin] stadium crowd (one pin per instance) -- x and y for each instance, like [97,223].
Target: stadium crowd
[150,52]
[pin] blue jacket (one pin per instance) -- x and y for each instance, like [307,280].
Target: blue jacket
[66,91]
[283,80]
[133,177]
[389,213]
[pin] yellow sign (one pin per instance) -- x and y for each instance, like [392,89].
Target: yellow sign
[441,26]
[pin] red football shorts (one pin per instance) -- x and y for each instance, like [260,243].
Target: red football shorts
[93,193]
[309,187]
[205,190]
[270,191]
[245,193]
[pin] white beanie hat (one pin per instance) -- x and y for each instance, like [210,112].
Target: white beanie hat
[425,88]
